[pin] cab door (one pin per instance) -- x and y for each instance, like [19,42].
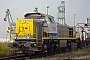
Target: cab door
[24,29]
[21,29]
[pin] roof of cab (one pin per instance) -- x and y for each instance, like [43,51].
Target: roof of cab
[28,14]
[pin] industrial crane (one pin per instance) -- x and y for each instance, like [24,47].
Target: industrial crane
[11,23]
[61,13]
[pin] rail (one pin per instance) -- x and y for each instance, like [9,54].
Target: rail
[35,34]
[45,32]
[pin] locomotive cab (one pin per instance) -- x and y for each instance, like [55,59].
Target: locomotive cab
[49,25]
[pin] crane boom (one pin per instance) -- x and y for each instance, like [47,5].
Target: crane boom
[11,23]
[9,17]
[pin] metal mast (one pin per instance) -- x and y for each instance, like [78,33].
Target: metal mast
[61,13]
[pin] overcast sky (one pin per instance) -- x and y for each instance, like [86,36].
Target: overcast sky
[19,7]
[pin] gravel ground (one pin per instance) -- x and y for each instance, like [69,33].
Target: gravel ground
[76,58]
[80,54]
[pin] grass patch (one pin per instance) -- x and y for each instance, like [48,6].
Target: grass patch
[60,55]
[75,53]
[81,51]
[4,50]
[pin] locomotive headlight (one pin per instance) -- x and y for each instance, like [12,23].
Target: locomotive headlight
[28,36]
[15,36]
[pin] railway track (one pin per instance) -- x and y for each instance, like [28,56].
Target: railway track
[13,57]
[25,56]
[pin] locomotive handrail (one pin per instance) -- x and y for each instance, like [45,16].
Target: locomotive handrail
[35,32]
[62,33]
[71,34]
[45,33]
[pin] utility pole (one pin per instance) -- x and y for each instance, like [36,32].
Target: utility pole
[74,20]
[47,9]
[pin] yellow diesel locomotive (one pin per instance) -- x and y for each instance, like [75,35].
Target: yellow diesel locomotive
[38,32]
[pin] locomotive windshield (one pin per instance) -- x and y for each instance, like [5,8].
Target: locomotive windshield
[36,16]
[39,18]
[51,19]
